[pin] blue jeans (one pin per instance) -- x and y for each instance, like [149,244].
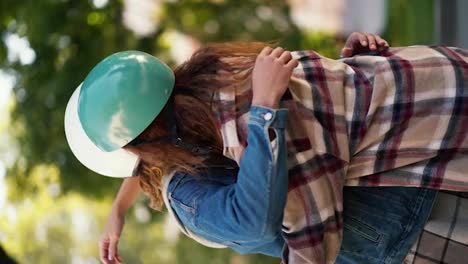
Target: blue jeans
[382,223]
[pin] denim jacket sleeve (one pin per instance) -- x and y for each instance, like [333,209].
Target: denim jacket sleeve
[251,209]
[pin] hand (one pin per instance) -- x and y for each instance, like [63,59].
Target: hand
[108,244]
[270,77]
[359,42]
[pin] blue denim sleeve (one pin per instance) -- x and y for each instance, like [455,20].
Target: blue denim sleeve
[251,209]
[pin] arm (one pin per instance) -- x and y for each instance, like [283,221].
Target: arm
[127,194]
[248,212]
[108,250]
[252,208]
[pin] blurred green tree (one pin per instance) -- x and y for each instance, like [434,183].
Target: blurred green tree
[410,22]
[70,37]
[67,44]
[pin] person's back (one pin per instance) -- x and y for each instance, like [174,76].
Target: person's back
[396,119]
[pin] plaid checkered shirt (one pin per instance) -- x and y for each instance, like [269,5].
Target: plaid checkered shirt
[397,119]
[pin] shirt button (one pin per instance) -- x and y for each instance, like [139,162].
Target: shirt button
[267,116]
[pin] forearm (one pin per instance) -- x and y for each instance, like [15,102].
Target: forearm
[127,194]
[252,208]
[262,180]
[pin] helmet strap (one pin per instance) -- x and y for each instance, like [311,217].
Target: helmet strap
[173,137]
[170,119]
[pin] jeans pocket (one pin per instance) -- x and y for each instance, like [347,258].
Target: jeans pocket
[362,229]
[380,224]
[362,242]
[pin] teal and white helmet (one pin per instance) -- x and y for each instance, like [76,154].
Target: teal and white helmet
[117,101]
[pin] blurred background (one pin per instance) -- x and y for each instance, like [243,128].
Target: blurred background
[52,209]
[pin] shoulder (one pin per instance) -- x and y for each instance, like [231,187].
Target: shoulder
[186,190]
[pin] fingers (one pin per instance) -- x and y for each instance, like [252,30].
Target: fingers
[103,251]
[276,53]
[293,63]
[354,44]
[376,42]
[285,57]
[367,40]
[381,42]
[359,42]
[112,249]
[371,41]
[265,51]
[362,39]
[347,52]
[270,77]
[108,253]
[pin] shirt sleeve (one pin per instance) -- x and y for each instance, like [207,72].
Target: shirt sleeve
[250,210]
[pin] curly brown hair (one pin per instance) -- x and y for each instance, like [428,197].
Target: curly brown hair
[213,67]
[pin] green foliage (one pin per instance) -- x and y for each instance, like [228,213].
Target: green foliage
[65,229]
[59,33]
[324,43]
[410,22]
[70,37]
